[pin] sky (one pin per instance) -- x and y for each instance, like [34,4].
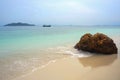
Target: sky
[61,12]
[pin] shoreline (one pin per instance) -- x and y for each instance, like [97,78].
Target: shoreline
[97,67]
[20,59]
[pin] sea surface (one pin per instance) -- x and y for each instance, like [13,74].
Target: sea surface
[24,49]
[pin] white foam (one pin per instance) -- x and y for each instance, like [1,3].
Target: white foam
[35,69]
[69,52]
[78,54]
[43,66]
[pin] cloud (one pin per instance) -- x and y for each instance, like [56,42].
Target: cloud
[61,11]
[70,6]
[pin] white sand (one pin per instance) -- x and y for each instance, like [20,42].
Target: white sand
[105,67]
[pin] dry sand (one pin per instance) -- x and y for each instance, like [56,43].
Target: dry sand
[102,67]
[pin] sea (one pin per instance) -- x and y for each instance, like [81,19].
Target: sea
[24,49]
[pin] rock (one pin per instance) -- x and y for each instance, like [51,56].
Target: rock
[97,43]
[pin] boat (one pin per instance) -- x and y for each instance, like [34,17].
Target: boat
[46,25]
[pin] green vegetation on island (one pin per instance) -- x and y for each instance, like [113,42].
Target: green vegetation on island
[19,24]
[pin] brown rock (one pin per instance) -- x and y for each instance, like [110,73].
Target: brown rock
[98,43]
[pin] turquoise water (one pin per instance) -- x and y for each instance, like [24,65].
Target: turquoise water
[24,48]
[25,38]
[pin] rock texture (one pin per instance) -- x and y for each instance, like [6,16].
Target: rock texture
[97,43]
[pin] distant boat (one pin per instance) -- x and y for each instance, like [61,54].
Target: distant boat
[46,25]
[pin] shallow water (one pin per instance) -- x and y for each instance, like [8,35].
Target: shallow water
[22,49]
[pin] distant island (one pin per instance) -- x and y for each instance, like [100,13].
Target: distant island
[19,24]
[46,25]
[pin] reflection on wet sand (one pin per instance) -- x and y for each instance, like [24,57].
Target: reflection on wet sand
[98,60]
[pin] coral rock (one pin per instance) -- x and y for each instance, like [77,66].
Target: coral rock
[98,43]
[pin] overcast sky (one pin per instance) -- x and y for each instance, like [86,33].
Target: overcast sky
[67,12]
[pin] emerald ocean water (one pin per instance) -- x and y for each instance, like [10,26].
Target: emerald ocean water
[23,49]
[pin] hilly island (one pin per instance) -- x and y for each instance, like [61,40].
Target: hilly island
[19,24]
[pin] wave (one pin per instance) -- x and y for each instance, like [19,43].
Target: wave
[35,69]
[79,54]
[28,63]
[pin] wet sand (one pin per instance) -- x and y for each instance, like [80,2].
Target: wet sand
[99,67]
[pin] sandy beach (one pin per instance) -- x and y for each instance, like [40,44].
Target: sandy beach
[98,67]
[59,39]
